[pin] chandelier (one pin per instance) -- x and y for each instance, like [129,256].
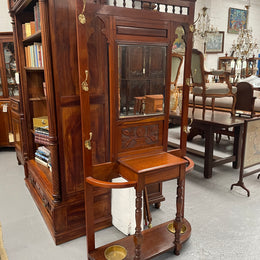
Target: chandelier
[245,45]
[202,24]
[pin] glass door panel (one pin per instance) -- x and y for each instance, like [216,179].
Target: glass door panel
[10,67]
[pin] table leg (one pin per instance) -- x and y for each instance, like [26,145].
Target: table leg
[209,145]
[138,237]
[237,148]
[180,211]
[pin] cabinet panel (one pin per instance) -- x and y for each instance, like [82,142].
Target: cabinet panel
[5,114]
[71,151]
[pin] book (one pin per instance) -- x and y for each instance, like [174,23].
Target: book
[42,157]
[42,130]
[45,150]
[32,25]
[23,30]
[43,154]
[38,160]
[38,16]
[27,29]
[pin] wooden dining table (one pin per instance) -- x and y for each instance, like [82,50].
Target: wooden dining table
[214,122]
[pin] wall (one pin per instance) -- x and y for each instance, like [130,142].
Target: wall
[218,12]
[5,20]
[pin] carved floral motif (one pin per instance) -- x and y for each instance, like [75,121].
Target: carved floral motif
[135,137]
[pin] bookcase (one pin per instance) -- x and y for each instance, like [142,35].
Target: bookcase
[50,105]
[8,88]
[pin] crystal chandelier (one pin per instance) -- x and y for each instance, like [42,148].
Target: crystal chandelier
[245,45]
[202,24]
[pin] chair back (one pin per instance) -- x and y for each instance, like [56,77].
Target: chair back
[175,67]
[197,68]
[245,97]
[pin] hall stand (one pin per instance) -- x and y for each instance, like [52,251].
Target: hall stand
[124,53]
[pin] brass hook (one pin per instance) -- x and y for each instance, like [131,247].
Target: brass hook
[186,128]
[88,142]
[82,17]
[84,84]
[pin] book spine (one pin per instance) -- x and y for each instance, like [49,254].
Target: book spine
[42,153]
[35,18]
[38,15]
[41,162]
[44,158]
[32,25]
[41,55]
[36,55]
[45,150]
[27,29]
[23,30]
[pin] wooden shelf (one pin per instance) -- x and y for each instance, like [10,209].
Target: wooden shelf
[33,38]
[43,174]
[37,98]
[40,69]
[159,236]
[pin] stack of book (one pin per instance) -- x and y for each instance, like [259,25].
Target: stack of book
[32,27]
[41,134]
[34,55]
[43,157]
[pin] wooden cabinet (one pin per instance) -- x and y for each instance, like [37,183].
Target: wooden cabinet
[125,56]
[8,88]
[48,69]
[238,68]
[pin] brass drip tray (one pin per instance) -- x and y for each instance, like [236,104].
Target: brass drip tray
[171,228]
[115,252]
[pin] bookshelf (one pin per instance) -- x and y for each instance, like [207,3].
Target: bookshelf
[50,89]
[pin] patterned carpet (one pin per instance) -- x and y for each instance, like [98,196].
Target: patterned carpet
[3,255]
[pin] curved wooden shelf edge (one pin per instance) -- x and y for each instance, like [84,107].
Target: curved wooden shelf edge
[190,166]
[110,185]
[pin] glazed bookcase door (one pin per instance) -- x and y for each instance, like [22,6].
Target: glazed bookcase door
[8,87]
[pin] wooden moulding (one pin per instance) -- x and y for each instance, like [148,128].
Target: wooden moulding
[159,237]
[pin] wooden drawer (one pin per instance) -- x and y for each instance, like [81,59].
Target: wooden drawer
[15,106]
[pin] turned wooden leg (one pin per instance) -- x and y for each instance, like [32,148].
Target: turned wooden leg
[138,237]
[179,214]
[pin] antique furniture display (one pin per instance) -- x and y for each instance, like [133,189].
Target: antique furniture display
[125,64]
[207,126]
[8,87]
[238,68]
[45,36]
[250,155]
[205,89]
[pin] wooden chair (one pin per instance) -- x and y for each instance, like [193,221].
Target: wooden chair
[177,60]
[245,105]
[245,99]
[209,90]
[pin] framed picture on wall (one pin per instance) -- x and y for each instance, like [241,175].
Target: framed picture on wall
[237,19]
[214,42]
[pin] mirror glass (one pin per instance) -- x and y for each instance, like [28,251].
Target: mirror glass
[141,70]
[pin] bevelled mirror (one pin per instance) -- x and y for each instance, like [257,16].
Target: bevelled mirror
[141,82]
